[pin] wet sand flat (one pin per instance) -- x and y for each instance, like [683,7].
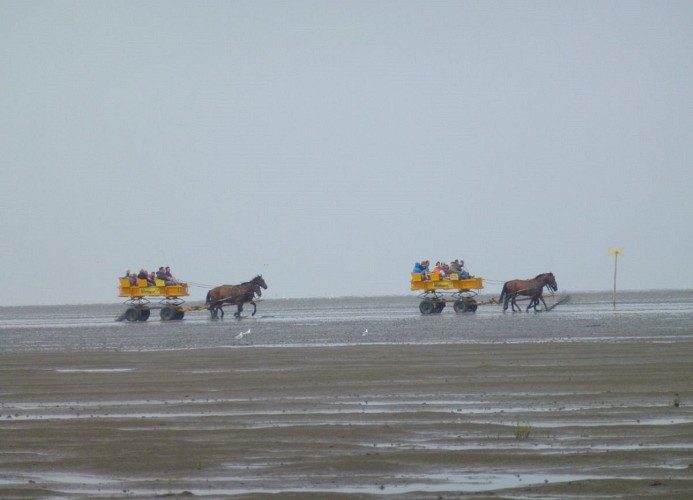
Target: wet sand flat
[537,420]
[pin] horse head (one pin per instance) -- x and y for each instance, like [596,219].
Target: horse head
[259,281]
[550,281]
[258,284]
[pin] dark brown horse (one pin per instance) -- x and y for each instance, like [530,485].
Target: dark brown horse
[235,294]
[533,289]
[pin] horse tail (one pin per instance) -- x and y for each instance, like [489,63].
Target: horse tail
[503,293]
[208,299]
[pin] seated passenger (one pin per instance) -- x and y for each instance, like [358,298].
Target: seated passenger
[161,274]
[422,269]
[455,266]
[439,269]
[170,277]
[445,270]
[144,275]
[131,277]
[458,267]
[150,279]
[465,273]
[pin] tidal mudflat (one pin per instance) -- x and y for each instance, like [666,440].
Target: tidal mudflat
[350,399]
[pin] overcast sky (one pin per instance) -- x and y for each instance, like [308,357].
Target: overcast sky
[328,145]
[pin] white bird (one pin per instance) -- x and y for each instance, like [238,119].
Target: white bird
[243,335]
[365,332]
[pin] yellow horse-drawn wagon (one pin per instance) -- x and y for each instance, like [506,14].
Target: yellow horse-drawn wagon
[139,294]
[436,291]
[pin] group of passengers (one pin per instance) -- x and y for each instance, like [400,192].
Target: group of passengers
[442,269]
[163,274]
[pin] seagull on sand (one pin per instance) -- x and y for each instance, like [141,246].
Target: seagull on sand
[243,335]
[365,332]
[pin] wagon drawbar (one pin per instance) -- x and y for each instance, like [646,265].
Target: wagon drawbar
[437,292]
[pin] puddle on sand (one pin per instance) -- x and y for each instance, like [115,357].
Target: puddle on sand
[465,483]
[56,477]
[59,478]
[619,422]
[548,449]
[93,370]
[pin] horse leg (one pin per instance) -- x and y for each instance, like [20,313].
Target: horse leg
[215,309]
[542,301]
[254,309]
[514,303]
[512,298]
[237,314]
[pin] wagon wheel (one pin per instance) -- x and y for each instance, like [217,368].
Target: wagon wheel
[168,313]
[144,314]
[426,306]
[179,314]
[465,305]
[132,314]
[439,306]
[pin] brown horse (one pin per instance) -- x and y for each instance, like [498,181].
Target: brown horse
[235,294]
[533,289]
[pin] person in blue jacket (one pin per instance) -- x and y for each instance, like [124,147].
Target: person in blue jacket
[422,268]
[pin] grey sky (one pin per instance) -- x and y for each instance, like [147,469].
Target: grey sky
[329,145]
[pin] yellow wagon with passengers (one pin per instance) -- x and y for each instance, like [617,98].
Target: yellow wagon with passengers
[437,291]
[138,296]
